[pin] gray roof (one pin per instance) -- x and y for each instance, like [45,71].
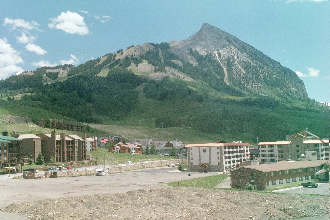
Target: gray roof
[287,165]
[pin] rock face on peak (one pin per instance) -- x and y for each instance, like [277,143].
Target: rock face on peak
[208,38]
[239,65]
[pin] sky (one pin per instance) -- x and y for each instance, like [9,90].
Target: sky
[47,32]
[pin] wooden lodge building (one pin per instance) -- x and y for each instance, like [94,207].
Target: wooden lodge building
[62,148]
[54,147]
[268,175]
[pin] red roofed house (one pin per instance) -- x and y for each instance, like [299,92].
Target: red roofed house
[221,157]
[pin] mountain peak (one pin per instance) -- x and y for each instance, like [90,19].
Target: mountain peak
[209,38]
[207,28]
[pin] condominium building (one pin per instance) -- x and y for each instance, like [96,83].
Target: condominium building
[295,149]
[271,152]
[221,157]
[62,148]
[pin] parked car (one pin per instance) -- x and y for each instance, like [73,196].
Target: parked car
[52,169]
[100,172]
[309,185]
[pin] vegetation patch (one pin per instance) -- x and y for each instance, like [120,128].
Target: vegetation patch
[209,182]
[102,156]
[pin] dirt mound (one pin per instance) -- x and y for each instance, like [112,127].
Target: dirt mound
[177,203]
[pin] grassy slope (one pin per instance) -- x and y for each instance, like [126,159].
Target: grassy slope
[209,182]
[113,158]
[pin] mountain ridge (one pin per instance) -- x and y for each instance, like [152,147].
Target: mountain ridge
[212,85]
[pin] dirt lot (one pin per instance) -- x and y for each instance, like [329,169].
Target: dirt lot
[144,195]
[21,190]
[176,203]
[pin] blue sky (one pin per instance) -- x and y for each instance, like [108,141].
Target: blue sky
[46,32]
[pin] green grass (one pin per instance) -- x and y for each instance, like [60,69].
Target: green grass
[187,135]
[209,182]
[284,186]
[114,158]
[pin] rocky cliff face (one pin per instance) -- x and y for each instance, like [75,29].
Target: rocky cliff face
[217,58]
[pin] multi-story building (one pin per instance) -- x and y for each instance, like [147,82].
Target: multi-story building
[269,175]
[29,146]
[297,148]
[62,148]
[8,149]
[320,147]
[221,157]
[271,152]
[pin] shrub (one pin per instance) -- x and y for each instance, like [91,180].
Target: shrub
[40,159]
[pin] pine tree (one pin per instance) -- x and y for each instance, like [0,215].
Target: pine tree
[40,159]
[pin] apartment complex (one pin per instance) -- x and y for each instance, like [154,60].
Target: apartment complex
[8,149]
[267,175]
[221,157]
[295,149]
[29,145]
[271,152]
[62,148]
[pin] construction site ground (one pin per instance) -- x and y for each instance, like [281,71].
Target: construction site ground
[20,190]
[144,195]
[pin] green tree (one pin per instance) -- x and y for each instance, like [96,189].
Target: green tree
[152,149]
[147,151]
[173,152]
[40,159]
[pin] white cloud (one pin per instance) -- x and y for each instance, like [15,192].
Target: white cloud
[20,24]
[69,22]
[43,63]
[25,38]
[9,60]
[35,49]
[316,1]
[73,60]
[103,18]
[312,72]
[84,12]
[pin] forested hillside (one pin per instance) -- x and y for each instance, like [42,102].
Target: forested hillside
[211,82]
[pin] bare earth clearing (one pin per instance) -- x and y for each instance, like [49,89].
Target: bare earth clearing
[176,203]
[143,195]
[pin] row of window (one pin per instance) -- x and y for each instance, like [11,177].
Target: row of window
[289,180]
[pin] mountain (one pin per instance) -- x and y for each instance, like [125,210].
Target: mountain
[211,82]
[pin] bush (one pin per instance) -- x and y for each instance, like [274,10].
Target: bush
[40,159]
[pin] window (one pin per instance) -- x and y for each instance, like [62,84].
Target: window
[204,150]
[273,182]
[306,177]
[281,181]
[301,178]
[288,181]
[294,179]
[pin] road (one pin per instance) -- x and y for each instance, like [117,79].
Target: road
[322,189]
[20,190]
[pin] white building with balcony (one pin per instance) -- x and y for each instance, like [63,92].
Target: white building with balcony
[221,157]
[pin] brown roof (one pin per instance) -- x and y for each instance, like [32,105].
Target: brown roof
[275,143]
[233,144]
[287,165]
